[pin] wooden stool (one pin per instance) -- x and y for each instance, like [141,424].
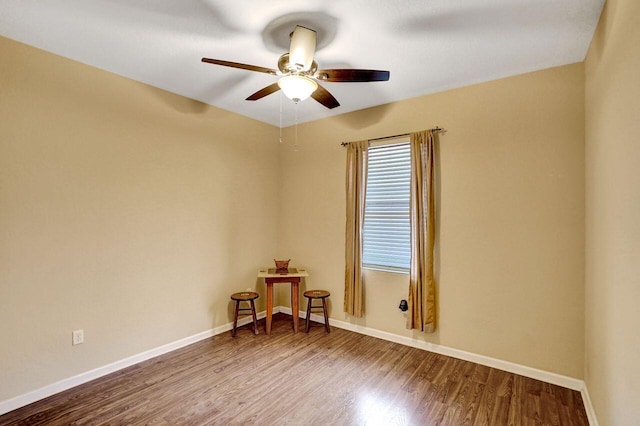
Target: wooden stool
[317,294]
[245,296]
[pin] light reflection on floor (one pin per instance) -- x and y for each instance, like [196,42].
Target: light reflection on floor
[374,409]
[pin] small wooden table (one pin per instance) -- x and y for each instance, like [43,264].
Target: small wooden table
[272,277]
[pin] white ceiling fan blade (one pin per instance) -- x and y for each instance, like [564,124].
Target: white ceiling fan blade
[302,48]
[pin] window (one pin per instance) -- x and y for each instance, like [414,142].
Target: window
[387,229]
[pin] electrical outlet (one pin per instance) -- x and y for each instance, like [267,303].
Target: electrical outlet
[248,288]
[78,337]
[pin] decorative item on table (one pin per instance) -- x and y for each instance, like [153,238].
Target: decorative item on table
[282,266]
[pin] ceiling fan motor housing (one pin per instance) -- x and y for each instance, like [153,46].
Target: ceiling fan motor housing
[285,66]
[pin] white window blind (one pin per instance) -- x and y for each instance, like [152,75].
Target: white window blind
[387,238]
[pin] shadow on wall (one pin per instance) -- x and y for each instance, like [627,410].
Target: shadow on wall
[364,117]
[438,208]
[186,105]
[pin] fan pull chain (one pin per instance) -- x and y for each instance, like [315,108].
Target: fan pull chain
[296,148]
[281,117]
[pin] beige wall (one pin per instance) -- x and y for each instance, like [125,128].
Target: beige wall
[125,211]
[613,215]
[511,216]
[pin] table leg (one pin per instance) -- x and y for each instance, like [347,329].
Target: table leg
[295,307]
[269,306]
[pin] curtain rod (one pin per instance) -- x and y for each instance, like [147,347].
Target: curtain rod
[435,130]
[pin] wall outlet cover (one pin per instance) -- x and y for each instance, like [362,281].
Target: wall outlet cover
[77,337]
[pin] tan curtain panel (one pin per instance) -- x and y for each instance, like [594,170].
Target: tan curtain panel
[356,185]
[422,288]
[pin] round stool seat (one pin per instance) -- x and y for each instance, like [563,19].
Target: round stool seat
[317,294]
[245,296]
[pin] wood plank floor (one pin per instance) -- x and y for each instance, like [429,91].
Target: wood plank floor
[341,378]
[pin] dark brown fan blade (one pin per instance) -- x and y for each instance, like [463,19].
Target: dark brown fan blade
[351,75]
[323,96]
[264,92]
[239,65]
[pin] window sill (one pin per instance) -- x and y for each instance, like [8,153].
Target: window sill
[383,269]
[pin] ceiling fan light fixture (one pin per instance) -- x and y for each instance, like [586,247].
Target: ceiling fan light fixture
[297,87]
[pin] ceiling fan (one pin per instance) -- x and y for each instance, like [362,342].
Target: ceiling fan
[299,72]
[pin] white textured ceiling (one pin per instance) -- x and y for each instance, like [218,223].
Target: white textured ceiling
[428,46]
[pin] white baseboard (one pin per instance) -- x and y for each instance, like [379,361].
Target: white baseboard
[64,384]
[523,370]
[588,407]
[534,373]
